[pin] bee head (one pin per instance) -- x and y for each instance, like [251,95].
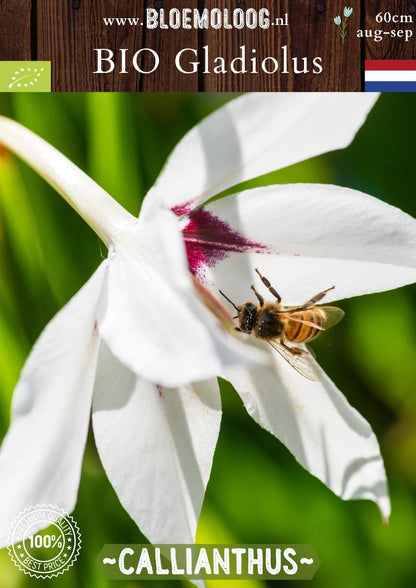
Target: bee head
[246,316]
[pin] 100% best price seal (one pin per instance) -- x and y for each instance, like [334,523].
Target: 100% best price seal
[48,552]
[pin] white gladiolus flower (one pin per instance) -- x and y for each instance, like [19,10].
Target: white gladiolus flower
[347,11]
[138,346]
[337,20]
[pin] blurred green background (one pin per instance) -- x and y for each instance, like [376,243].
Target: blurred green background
[257,492]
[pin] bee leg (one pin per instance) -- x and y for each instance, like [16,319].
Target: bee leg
[315,298]
[259,296]
[268,285]
[292,350]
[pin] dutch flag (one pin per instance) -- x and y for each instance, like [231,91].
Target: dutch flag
[390,75]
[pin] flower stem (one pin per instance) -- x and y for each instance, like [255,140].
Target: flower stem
[343,29]
[104,214]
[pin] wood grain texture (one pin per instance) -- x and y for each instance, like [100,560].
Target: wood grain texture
[167,43]
[66,32]
[259,44]
[314,33]
[15,30]
[390,48]
[311,33]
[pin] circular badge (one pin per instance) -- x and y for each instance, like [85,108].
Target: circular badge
[48,552]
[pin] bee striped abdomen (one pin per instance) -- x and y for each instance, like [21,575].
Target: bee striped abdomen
[298,332]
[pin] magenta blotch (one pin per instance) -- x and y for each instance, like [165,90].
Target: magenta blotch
[159,391]
[208,240]
[184,208]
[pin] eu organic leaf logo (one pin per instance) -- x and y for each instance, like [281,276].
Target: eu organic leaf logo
[26,77]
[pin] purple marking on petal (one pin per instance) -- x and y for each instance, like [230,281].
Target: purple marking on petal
[208,240]
[159,391]
[184,208]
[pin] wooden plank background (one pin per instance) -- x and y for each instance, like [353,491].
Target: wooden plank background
[390,48]
[66,32]
[16,40]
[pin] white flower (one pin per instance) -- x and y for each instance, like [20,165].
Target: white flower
[135,337]
[347,11]
[337,20]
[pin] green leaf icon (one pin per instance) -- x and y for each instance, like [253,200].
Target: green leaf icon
[26,76]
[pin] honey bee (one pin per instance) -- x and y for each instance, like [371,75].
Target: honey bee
[286,327]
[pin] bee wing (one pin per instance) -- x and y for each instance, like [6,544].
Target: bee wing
[302,363]
[332,315]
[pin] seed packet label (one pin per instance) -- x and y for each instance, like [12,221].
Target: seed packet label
[177,45]
[198,562]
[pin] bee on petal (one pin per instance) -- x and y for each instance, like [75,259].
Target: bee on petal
[287,329]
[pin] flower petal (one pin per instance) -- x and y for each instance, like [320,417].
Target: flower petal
[152,319]
[304,238]
[93,203]
[156,445]
[252,135]
[314,420]
[41,455]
